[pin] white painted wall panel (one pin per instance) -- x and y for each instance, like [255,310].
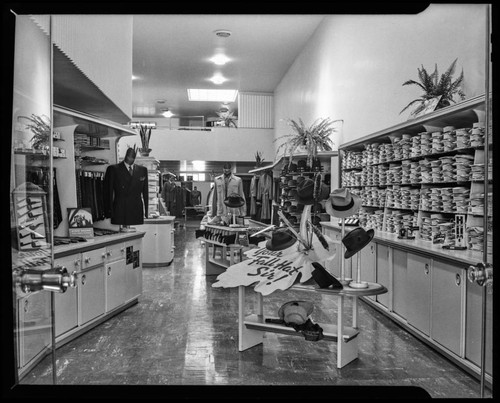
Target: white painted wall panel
[255,110]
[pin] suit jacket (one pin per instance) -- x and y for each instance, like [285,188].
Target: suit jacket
[235,185]
[126,196]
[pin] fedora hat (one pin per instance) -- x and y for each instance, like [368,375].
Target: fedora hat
[292,167]
[324,278]
[281,238]
[305,191]
[296,312]
[342,203]
[300,179]
[356,240]
[292,183]
[234,200]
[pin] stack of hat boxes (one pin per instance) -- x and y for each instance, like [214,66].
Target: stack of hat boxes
[427,176]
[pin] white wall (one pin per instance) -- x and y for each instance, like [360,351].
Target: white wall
[354,66]
[220,144]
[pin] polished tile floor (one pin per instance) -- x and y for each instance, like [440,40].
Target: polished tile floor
[183,332]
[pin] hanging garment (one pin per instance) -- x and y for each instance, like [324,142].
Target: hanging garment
[40,177]
[195,197]
[265,195]
[126,196]
[253,195]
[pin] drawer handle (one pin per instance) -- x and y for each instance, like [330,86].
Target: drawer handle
[84,277]
[458,279]
[77,263]
[109,253]
[103,255]
[426,268]
[87,260]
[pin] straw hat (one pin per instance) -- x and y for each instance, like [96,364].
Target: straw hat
[342,203]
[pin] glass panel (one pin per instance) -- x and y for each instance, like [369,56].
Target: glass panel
[32,202]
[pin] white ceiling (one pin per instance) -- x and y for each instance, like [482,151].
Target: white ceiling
[171,53]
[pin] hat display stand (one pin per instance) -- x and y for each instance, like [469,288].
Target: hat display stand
[343,279]
[358,283]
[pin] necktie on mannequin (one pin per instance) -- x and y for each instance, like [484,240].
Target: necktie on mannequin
[130,170]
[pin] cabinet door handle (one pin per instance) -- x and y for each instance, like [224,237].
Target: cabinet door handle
[458,279]
[426,268]
[84,277]
[77,263]
[26,304]
[109,270]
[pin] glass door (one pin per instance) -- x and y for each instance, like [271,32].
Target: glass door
[33,206]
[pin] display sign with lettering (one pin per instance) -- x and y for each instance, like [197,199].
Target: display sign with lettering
[275,270]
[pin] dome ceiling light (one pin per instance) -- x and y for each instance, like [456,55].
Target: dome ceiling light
[222,33]
[220,59]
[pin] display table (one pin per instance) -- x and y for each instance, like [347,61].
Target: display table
[251,327]
[219,255]
[198,209]
[158,246]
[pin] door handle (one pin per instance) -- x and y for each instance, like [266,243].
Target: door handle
[56,279]
[481,273]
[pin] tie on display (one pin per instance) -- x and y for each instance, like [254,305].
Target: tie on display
[131,170]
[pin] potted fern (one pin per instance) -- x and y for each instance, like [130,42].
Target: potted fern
[227,118]
[40,127]
[314,138]
[145,133]
[435,86]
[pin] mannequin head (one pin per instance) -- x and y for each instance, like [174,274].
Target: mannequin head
[130,156]
[227,169]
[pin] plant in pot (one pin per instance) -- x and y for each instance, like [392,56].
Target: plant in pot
[258,159]
[435,86]
[145,133]
[316,137]
[227,118]
[40,127]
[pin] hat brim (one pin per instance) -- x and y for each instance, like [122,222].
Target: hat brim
[350,253]
[286,245]
[234,205]
[330,209]
[307,305]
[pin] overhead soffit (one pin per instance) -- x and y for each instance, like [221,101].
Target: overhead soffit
[74,90]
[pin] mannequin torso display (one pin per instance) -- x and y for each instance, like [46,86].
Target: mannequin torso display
[126,193]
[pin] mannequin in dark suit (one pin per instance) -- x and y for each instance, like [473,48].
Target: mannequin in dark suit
[122,192]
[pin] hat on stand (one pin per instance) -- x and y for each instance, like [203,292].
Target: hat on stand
[305,191]
[324,278]
[281,238]
[356,240]
[296,312]
[234,200]
[342,203]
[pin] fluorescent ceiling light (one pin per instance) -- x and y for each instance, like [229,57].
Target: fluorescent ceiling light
[167,114]
[219,59]
[218,79]
[212,95]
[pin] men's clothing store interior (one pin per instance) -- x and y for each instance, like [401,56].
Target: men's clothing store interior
[252,200]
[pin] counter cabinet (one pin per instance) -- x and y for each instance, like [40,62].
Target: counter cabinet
[428,294]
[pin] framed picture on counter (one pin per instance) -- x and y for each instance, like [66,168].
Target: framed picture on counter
[80,222]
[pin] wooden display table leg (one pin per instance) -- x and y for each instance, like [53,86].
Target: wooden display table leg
[346,351]
[247,337]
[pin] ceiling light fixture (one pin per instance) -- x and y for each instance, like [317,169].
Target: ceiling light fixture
[167,113]
[220,59]
[218,79]
[223,33]
[196,94]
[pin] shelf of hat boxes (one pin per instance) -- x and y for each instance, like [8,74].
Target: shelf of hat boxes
[422,185]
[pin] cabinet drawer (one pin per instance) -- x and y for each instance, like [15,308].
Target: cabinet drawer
[115,252]
[93,258]
[72,262]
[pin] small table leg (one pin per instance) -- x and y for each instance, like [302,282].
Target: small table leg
[346,351]
[246,337]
